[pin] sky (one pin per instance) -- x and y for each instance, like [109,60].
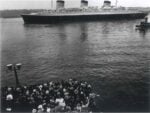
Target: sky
[46,4]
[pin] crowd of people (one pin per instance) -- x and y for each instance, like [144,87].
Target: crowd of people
[63,96]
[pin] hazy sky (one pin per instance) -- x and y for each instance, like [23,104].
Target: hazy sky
[46,4]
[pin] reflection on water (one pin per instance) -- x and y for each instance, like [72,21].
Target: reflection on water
[111,55]
[143,31]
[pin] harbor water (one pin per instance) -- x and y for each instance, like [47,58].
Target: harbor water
[110,55]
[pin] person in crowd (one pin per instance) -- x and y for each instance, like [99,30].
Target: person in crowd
[71,95]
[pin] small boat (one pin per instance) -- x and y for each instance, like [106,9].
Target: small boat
[144,24]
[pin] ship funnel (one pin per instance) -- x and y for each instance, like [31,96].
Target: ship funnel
[107,3]
[84,3]
[60,4]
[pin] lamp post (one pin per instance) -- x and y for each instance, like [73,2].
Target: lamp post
[15,67]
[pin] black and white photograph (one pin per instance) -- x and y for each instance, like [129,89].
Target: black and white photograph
[74,56]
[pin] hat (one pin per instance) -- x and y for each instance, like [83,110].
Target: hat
[18,89]
[76,82]
[48,110]
[9,88]
[9,97]
[45,84]
[82,84]
[92,95]
[76,91]
[47,91]
[34,110]
[8,109]
[25,87]
[34,90]
[40,86]
[50,83]
[40,107]
[52,100]
[81,92]
[70,79]
[89,86]
[64,90]
[58,93]
[27,92]
[71,88]
[66,93]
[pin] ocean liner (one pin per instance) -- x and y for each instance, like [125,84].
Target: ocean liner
[84,13]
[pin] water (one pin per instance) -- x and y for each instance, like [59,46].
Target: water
[111,55]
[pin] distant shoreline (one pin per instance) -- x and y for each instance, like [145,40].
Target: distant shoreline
[15,13]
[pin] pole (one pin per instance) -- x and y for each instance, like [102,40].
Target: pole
[16,76]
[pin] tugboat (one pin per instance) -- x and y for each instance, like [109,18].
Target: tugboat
[144,24]
[84,13]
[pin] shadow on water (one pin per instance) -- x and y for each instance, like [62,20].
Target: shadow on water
[84,34]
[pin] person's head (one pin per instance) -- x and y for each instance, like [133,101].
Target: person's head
[66,97]
[9,109]
[34,110]
[79,105]
[76,91]
[27,92]
[60,86]
[9,89]
[47,92]
[66,93]
[48,110]
[70,79]
[89,86]
[81,93]
[82,84]
[45,84]
[25,87]
[40,86]
[76,82]
[58,94]
[43,101]
[18,89]
[9,97]
[68,108]
[40,107]
[64,90]
[71,88]
[34,91]
[52,100]
[92,95]
[48,105]
[85,82]
[51,83]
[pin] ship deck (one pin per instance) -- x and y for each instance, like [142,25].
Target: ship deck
[86,13]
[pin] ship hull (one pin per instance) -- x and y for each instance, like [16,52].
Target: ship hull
[48,19]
